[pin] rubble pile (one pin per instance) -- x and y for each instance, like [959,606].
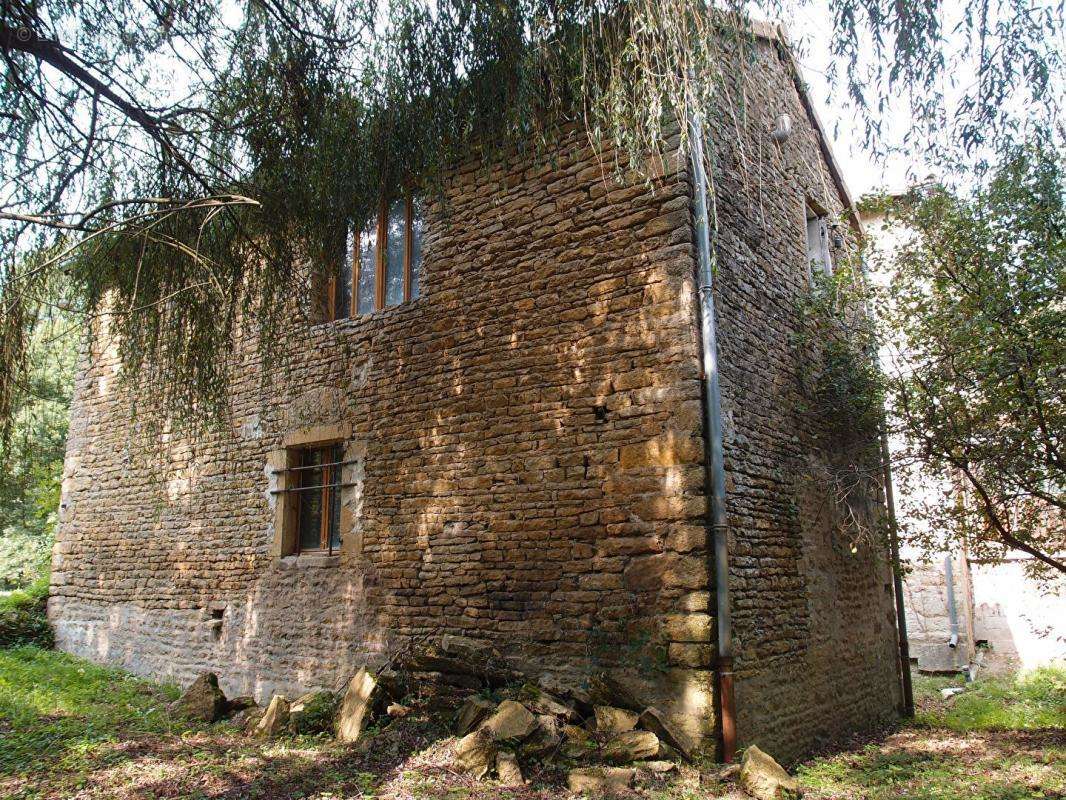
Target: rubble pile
[594,735]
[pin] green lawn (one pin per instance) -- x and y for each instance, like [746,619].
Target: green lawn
[71,730]
[998,740]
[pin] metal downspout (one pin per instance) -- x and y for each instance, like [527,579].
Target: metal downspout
[712,414]
[953,613]
[897,581]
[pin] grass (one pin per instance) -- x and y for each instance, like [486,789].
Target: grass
[23,616]
[56,710]
[1032,701]
[1001,739]
[69,729]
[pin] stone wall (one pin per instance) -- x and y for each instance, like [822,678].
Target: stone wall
[814,622]
[925,594]
[528,461]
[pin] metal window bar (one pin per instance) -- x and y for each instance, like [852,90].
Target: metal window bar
[338,485]
[315,466]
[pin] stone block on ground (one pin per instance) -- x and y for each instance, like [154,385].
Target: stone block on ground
[274,719]
[507,769]
[659,767]
[461,661]
[631,746]
[476,754]
[472,713]
[568,688]
[510,722]
[202,700]
[544,742]
[356,706]
[608,689]
[765,779]
[238,704]
[652,719]
[600,780]
[312,712]
[544,703]
[612,721]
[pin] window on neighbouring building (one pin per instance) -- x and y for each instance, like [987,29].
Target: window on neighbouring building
[382,262]
[318,497]
[818,255]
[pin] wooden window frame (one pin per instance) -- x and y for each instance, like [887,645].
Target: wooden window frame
[331,483]
[381,234]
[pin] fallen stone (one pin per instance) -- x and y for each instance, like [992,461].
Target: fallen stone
[392,686]
[511,722]
[607,689]
[472,713]
[631,746]
[397,710]
[575,733]
[729,774]
[453,680]
[354,711]
[476,753]
[765,779]
[667,753]
[203,700]
[507,769]
[951,691]
[467,649]
[247,718]
[600,780]
[652,719]
[659,767]
[469,660]
[274,719]
[544,742]
[312,712]
[612,721]
[238,704]
[541,702]
[564,687]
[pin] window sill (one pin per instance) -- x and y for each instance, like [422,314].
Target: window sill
[311,560]
[367,315]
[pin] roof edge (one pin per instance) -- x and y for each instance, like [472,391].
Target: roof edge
[776,34]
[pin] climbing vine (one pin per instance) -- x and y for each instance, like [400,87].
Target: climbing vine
[843,391]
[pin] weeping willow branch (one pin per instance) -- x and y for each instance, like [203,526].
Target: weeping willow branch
[291,123]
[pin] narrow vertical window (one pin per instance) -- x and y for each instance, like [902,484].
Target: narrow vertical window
[418,226]
[818,256]
[310,506]
[395,252]
[366,289]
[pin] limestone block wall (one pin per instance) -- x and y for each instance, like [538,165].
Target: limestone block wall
[925,594]
[814,622]
[530,463]
[528,460]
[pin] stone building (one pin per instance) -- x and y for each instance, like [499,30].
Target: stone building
[512,398]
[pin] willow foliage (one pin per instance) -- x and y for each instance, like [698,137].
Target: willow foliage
[186,164]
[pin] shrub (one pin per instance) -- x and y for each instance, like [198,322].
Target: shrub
[23,617]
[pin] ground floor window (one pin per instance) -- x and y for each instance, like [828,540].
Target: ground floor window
[317,488]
